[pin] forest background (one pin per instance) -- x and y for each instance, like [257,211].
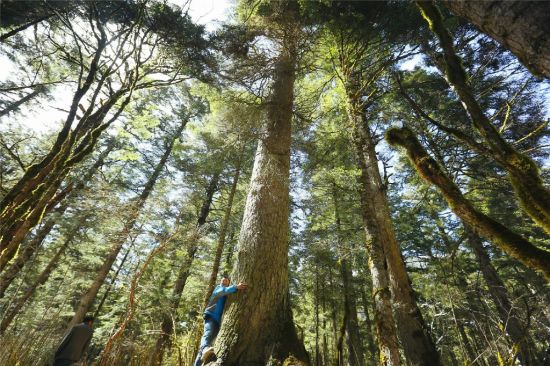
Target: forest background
[142,155]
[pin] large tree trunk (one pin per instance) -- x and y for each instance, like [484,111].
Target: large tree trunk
[167,325]
[510,242]
[257,327]
[89,296]
[499,294]
[356,353]
[383,248]
[522,171]
[520,26]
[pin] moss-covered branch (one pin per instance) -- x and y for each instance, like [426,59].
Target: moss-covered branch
[524,174]
[510,242]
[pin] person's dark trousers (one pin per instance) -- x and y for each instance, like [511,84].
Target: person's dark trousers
[63,362]
[211,329]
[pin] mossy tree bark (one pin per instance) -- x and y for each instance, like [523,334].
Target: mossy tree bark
[90,295]
[384,252]
[522,171]
[257,327]
[29,249]
[510,242]
[25,204]
[520,26]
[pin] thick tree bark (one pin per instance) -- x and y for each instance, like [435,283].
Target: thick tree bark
[257,327]
[356,353]
[510,242]
[167,325]
[501,298]
[520,26]
[384,251]
[522,171]
[90,295]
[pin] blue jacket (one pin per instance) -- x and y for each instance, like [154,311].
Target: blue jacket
[216,302]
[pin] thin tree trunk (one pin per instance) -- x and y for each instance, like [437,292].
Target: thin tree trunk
[90,295]
[257,327]
[501,298]
[14,106]
[523,172]
[167,325]
[316,319]
[22,27]
[510,242]
[112,283]
[520,26]
[18,305]
[353,339]
[385,253]
[373,352]
[223,229]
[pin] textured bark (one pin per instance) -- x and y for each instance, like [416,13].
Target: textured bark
[510,242]
[499,294]
[522,171]
[167,325]
[384,250]
[520,26]
[29,249]
[24,204]
[20,302]
[257,327]
[356,353]
[90,295]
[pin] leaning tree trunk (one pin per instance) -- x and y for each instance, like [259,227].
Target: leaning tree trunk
[29,249]
[356,352]
[523,172]
[507,313]
[167,325]
[413,333]
[257,327]
[510,242]
[20,302]
[520,26]
[89,296]
[22,207]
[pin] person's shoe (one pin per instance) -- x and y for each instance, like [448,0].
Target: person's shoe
[207,354]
